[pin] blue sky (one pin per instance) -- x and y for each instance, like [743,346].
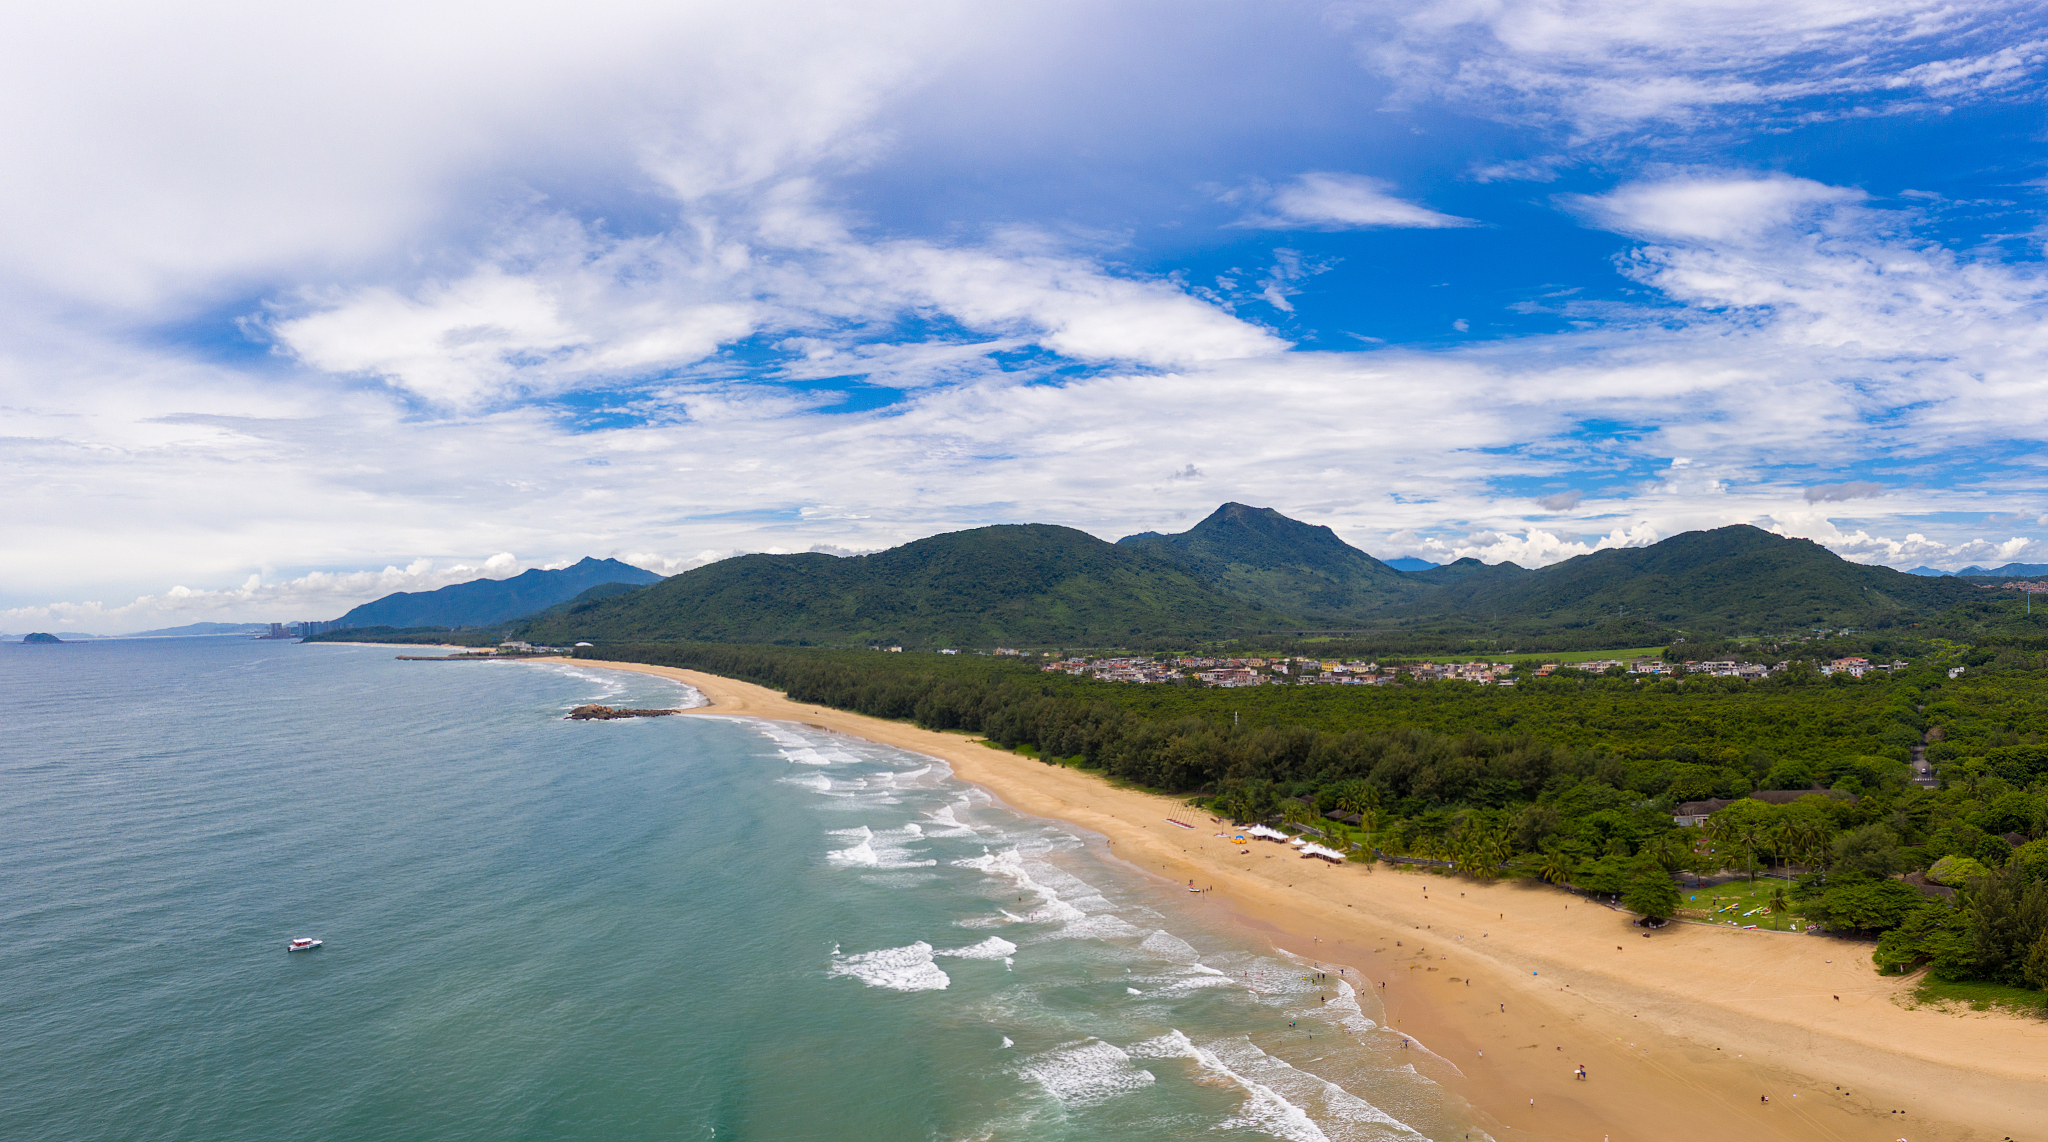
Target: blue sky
[302,311]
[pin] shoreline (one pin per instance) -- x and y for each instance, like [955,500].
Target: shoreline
[1682,1030]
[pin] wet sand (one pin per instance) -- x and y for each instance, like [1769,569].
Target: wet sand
[1682,1032]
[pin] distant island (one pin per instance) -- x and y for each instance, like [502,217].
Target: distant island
[40,636]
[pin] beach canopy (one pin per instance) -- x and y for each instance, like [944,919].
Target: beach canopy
[1267,831]
[1320,851]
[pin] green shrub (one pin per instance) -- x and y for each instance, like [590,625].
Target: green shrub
[1956,871]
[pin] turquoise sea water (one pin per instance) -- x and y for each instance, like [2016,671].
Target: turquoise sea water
[539,929]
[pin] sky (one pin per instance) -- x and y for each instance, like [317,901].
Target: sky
[300,306]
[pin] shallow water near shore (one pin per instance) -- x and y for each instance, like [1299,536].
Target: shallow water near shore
[671,928]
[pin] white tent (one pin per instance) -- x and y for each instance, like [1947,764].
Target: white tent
[1267,832]
[1319,851]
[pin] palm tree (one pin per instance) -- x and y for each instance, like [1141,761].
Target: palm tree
[1670,850]
[1362,798]
[1297,813]
[1819,853]
[1556,867]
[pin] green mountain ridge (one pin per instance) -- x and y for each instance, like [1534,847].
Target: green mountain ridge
[1259,555]
[1731,578]
[1246,573]
[1014,583]
[486,602]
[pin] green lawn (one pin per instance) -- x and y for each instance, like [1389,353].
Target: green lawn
[1981,996]
[1738,904]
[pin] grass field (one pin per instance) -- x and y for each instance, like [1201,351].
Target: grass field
[1738,904]
[1981,996]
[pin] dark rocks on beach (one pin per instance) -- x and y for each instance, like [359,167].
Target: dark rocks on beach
[606,713]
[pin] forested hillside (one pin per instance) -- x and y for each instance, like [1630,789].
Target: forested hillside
[1023,584]
[487,602]
[1290,567]
[1253,575]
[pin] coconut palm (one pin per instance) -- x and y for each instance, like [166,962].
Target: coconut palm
[1362,798]
[1297,813]
[1556,867]
[1671,850]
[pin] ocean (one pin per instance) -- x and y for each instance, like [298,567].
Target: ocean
[667,928]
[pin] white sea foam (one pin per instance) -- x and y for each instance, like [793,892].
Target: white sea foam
[1344,1008]
[1305,1092]
[1007,1044]
[993,948]
[898,969]
[806,756]
[1085,1073]
[1192,977]
[1168,946]
[1102,926]
[1081,911]
[950,825]
[814,781]
[1264,1109]
[884,849]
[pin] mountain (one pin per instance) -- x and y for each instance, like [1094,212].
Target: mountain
[1410,563]
[1468,568]
[1034,584]
[190,629]
[1731,578]
[1929,571]
[1245,571]
[580,602]
[2009,571]
[483,602]
[41,637]
[1261,556]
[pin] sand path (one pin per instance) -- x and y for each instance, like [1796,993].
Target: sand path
[1682,1032]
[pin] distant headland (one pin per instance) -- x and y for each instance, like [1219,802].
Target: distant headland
[40,636]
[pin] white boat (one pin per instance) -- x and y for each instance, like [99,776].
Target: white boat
[302,944]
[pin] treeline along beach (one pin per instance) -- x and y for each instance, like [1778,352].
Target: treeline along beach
[1572,779]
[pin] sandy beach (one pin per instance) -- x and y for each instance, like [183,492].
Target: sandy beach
[1683,1032]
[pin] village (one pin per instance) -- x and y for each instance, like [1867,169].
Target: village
[1298,671]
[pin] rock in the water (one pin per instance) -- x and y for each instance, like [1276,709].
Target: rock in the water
[606,713]
[41,637]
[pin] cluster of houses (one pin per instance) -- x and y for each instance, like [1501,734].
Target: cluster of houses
[1116,669]
[1326,672]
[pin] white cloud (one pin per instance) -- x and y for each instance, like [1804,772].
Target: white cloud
[1601,68]
[1322,200]
[1717,208]
[316,595]
[1836,493]
[639,204]
[1914,550]
[570,307]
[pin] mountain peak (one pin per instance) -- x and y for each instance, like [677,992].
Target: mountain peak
[1285,564]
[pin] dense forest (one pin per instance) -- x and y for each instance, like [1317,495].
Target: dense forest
[1571,778]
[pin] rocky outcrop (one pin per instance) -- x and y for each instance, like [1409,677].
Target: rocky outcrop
[41,637]
[607,713]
